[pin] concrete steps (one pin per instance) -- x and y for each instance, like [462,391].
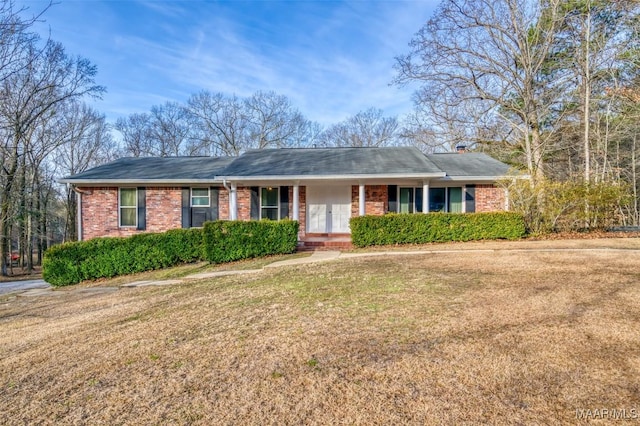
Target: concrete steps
[311,242]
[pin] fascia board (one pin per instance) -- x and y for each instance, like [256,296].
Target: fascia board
[303,178]
[102,182]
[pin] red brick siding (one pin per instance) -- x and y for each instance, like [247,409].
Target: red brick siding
[489,198]
[223,204]
[100,212]
[302,213]
[376,200]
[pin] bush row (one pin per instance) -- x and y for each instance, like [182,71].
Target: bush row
[435,227]
[71,263]
[226,241]
[217,242]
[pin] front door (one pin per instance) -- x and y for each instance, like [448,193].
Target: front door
[328,209]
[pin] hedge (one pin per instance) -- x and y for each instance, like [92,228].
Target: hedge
[435,227]
[71,263]
[226,241]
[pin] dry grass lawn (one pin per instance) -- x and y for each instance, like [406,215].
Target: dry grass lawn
[504,337]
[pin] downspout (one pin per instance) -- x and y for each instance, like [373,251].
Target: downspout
[233,207]
[79,208]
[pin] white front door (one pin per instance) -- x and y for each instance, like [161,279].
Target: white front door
[328,209]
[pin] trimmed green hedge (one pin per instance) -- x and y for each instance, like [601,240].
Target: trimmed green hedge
[435,227]
[71,263]
[226,241]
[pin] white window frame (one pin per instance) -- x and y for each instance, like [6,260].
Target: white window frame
[413,189]
[277,206]
[200,196]
[120,207]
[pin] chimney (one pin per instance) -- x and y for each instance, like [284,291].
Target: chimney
[461,149]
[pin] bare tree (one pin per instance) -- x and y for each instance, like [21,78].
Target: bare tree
[26,97]
[366,128]
[87,142]
[495,53]
[136,134]
[170,130]
[273,122]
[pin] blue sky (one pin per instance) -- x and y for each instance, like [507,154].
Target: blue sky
[332,59]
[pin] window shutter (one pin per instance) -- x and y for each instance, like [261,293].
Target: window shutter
[470,199]
[186,208]
[255,203]
[284,202]
[213,200]
[392,194]
[142,209]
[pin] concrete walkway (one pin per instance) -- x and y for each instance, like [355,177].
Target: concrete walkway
[20,286]
[316,256]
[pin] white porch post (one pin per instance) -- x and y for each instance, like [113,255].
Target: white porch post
[361,200]
[425,196]
[464,199]
[296,201]
[233,202]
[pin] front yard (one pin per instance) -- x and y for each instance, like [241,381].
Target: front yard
[504,336]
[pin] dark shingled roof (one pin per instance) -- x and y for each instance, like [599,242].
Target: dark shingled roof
[294,162]
[470,164]
[155,169]
[331,161]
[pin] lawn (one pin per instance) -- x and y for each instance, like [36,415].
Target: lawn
[502,337]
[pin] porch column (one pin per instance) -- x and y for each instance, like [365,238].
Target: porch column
[233,202]
[361,200]
[464,198]
[425,197]
[296,201]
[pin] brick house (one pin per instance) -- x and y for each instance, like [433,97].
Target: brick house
[322,188]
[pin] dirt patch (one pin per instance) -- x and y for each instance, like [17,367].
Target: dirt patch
[516,337]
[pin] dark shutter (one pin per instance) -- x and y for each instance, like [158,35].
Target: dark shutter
[142,209]
[392,193]
[470,199]
[186,208]
[213,211]
[198,216]
[284,202]
[418,201]
[255,203]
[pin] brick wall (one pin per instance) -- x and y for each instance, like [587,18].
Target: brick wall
[100,212]
[489,198]
[302,204]
[376,200]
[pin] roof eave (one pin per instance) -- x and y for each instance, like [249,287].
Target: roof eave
[157,182]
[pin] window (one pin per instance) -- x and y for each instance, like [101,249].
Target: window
[128,200]
[200,197]
[269,203]
[406,200]
[436,199]
[410,200]
[455,200]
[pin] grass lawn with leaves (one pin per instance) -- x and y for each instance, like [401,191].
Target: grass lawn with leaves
[502,337]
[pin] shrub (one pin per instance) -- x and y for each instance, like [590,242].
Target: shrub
[226,241]
[435,227]
[554,206]
[71,263]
